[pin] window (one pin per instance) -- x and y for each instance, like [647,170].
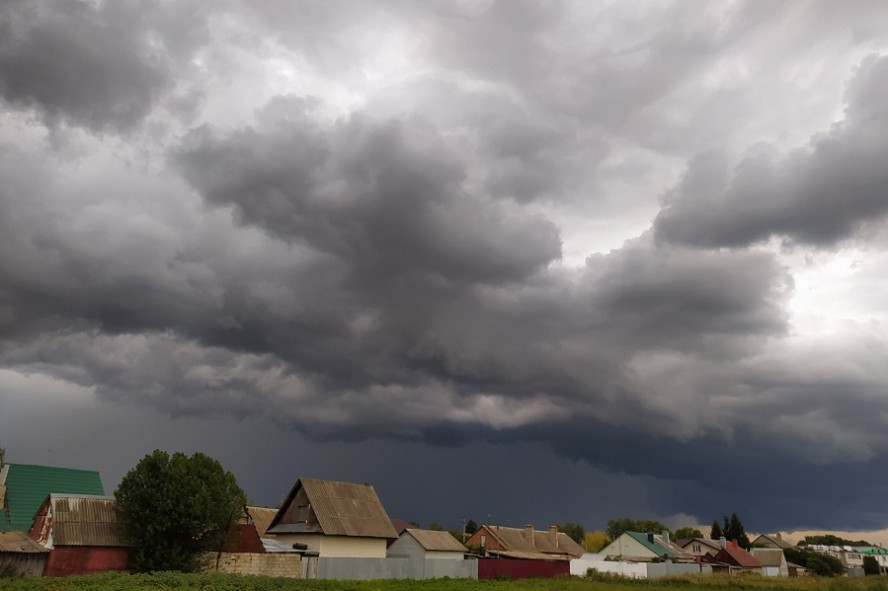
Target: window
[696,549]
[302,513]
[483,540]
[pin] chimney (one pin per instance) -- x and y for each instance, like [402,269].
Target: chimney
[779,537]
[722,541]
[665,535]
[528,533]
[553,535]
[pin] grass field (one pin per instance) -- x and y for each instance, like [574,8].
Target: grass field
[175,581]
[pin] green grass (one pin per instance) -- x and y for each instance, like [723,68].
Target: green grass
[218,582]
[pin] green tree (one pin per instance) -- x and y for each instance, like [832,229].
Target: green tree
[687,533]
[575,532]
[471,527]
[435,526]
[870,565]
[616,527]
[733,530]
[820,564]
[715,531]
[174,507]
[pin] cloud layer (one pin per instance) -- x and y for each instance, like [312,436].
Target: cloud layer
[464,224]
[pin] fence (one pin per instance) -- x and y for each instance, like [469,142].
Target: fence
[390,568]
[637,570]
[490,568]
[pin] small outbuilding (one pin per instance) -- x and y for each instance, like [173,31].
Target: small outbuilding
[427,544]
[20,555]
[82,533]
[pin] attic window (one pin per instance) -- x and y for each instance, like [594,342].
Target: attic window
[302,513]
[696,548]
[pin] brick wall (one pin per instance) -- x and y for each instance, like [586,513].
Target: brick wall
[248,563]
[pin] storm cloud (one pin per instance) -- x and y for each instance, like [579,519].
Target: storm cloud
[640,253]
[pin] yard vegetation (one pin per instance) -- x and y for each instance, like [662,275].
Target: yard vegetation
[169,581]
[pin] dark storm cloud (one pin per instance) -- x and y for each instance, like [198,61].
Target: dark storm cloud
[99,65]
[388,261]
[818,195]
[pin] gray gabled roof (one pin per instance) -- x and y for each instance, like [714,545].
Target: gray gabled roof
[341,509]
[437,541]
[85,520]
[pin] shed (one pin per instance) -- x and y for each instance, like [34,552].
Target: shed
[83,534]
[21,554]
[427,544]
[334,519]
[772,560]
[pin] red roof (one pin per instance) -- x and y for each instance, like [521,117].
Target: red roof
[737,556]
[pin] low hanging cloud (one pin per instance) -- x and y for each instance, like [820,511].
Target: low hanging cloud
[98,65]
[817,195]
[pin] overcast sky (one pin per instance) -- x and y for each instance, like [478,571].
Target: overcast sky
[522,262]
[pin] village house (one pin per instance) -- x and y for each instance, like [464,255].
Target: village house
[644,547]
[333,519]
[732,558]
[82,533]
[526,543]
[772,560]
[697,547]
[24,487]
[771,541]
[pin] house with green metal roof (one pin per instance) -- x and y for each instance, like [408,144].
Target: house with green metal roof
[24,487]
[642,547]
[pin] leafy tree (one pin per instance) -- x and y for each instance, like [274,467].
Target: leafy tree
[596,540]
[687,533]
[575,532]
[435,526]
[471,527]
[820,564]
[716,531]
[831,540]
[173,507]
[415,524]
[616,527]
[870,565]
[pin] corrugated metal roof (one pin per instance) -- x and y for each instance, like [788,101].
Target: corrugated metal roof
[737,556]
[437,541]
[516,540]
[262,517]
[85,520]
[651,542]
[18,542]
[341,509]
[28,485]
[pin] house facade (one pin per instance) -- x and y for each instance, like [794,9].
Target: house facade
[643,547]
[333,519]
[772,560]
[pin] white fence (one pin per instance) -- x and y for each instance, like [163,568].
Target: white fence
[636,570]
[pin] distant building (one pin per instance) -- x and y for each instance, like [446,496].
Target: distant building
[643,547]
[772,560]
